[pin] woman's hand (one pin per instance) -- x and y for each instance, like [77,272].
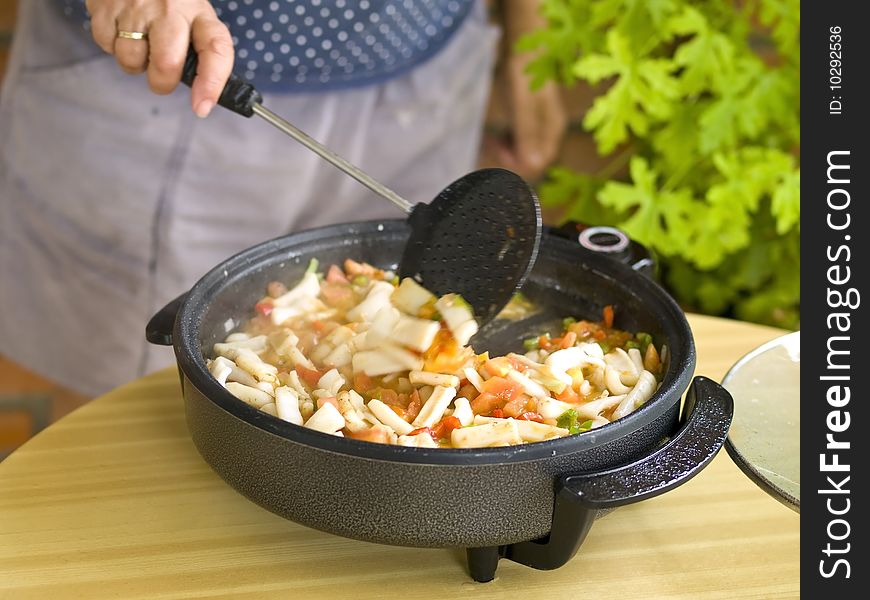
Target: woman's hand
[171,27]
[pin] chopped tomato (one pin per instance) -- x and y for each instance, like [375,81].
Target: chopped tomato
[545,343]
[362,383]
[568,340]
[517,364]
[497,391]
[336,275]
[499,366]
[309,376]
[388,396]
[608,316]
[516,407]
[351,267]
[377,434]
[467,391]
[414,406]
[337,295]
[264,307]
[391,397]
[445,427]
[584,329]
[398,410]
[599,335]
[531,416]
[569,395]
[497,413]
[506,388]
[330,400]
[423,430]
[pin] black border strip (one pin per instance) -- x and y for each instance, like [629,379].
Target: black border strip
[831,543]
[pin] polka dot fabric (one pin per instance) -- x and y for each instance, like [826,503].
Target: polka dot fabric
[321,45]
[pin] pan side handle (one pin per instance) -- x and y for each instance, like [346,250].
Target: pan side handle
[159,329]
[707,414]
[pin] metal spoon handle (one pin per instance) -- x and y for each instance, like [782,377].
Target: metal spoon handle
[327,154]
[241,97]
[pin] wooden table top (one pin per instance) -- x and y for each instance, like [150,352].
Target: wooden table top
[113,501]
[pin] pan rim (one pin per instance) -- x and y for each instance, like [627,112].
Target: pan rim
[193,368]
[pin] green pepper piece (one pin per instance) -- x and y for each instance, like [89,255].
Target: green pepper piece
[460,301]
[568,420]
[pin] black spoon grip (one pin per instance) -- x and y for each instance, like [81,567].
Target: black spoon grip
[239,96]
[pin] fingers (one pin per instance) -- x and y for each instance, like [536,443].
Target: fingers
[103,28]
[168,43]
[214,47]
[170,29]
[132,55]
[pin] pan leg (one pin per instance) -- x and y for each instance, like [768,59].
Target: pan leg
[482,563]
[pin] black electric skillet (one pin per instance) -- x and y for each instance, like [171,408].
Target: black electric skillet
[532,503]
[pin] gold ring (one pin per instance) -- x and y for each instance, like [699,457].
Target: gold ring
[133,35]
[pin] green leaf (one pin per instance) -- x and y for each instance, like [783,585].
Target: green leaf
[706,58]
[576,191]
[659,218]
[786,203]
[677,140]
[714,295]
[773,101]
[643,92]
[784,16]
[568,34]
[642,22]
[717,124]
[704,98]
[722,231]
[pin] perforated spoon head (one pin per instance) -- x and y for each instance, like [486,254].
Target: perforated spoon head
[478,238]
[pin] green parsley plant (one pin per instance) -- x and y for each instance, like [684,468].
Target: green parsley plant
[701,101]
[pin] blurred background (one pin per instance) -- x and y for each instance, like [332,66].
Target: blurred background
[683,130]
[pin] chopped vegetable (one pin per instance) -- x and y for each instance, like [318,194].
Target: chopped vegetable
[359,354]
[410,297]
[570,420]
[608,316]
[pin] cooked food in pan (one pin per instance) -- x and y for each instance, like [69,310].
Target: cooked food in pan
[357,353]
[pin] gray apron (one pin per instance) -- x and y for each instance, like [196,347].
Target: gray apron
[114,200]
